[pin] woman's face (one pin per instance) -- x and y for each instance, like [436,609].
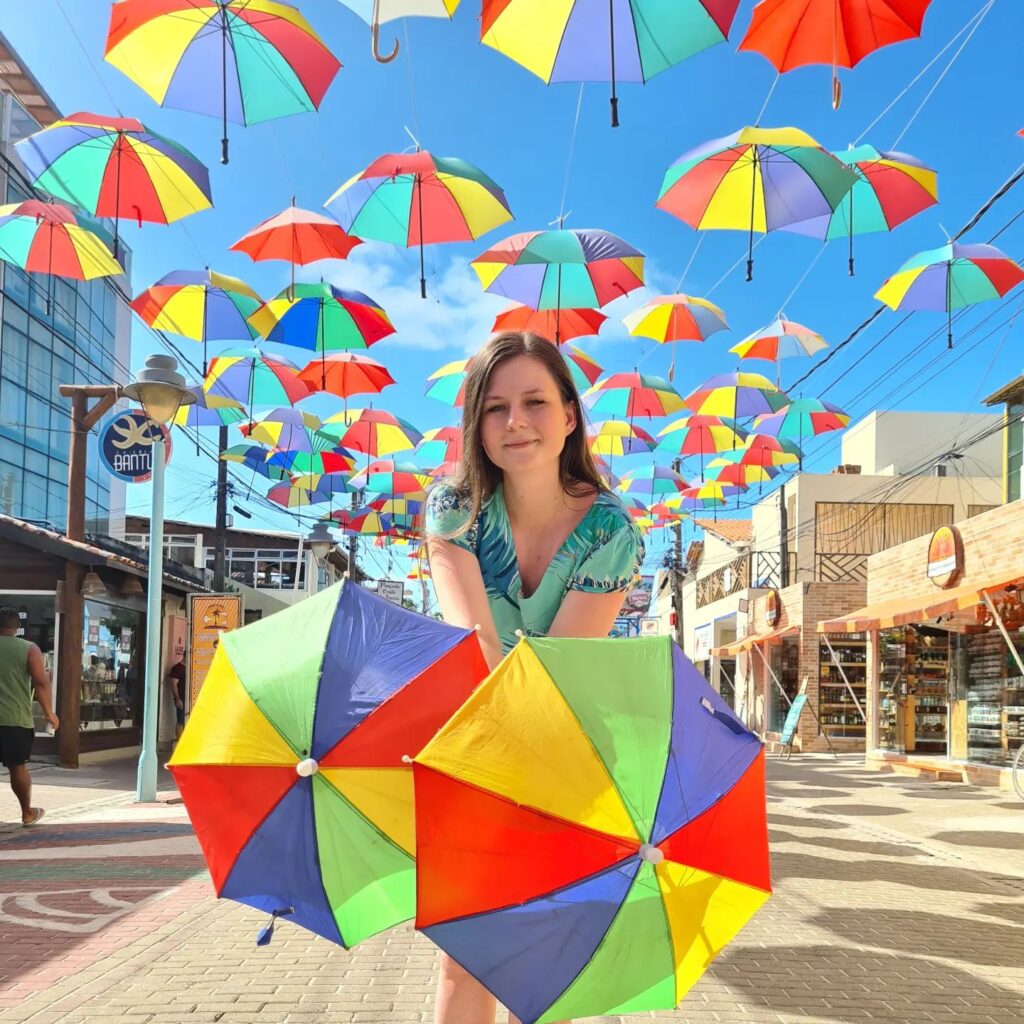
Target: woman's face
[524,422]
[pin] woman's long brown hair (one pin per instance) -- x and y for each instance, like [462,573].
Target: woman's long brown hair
[477,476]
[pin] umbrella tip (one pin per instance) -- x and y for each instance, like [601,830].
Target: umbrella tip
[308,768]
[520,634]
[406,759]
[477,627]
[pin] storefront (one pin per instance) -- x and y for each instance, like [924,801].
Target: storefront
[945,672]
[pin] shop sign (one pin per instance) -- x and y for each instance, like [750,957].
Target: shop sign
[126,445]
[209,615]
[772,608]
[624,628]
[702,636]
[793,719]
[650,626]
[126,639]
[391,590]
[94,632]
[945,556]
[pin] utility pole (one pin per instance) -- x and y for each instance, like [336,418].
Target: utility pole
[353,547]
[677,573]
[220,541]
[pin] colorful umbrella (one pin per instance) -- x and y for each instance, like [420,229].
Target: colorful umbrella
[294,764]
[393,479]
[949,278]
[199,304]
[735,395]
[372,431]
[584,848]
[416,199]
[49,238]
[758,179]
[633,394]
[376,12]
[652,481]
[800,418]
[207,411]
[730,468]
[286,429]
[254,377]
[780,339]
[419,572]
[709,494]
[891,188]
[676,318]
[695,434]
[345,374]
[116,167]
[604,470]
[244,61]
[617,41]
[618,437]
[397,507]
[766,450]
[329,460]
[558,325]
[310,489]
[584,370]
[438,446]
[794,33]
[253,457]
[448,383]
[563,268]
[361,521]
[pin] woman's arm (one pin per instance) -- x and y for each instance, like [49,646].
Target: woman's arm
[584,615]
[461,594]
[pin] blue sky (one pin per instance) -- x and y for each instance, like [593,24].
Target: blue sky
[465,100]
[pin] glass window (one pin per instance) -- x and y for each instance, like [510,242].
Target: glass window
[39,369]
[785,662]
[37,462]
[12,409]
[1014,450]
[14,353]
[112,685]
[34,497]
[40,302]
[16,286]
[37,423]
[10,489]
[838,712]
[57,505]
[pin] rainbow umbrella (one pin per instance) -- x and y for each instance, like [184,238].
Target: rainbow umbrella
[707,494]
[800,418]
[116,167]
[665,513]
[199,304]
[440,445]
[604,470]
[345,374]
[951,277]
[393,478]
[372,431]
[310,489]
[558,325]
[417,199]
[890,188]
[364,521]
[584,848]
[419,572]
[633,394]
[253,457]
[300,463]
[617,41]
[395,507]
[780,339]
[254,377]
[376,12]
[286,429]
[207,411]
[652,481]
[676,318]
[293,764]
[584,370]
[49,238]
[695,434]
[244,61]
[730,468]
[735,395]
[766,450]
[758,179]
[563,268]
[448,383]
[618,437]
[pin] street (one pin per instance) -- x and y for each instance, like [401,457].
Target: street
[895,899]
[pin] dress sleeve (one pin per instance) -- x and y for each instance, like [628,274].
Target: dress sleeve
[447,517]
[614,561]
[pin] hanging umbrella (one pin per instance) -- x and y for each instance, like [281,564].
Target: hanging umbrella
[244,61]
[584,371]
[419,572]
[890,188]
[633,394]
[345,374]
[199,304]
[286,429]
[729,468]
[253,457]
[794,33]
[653,482]
[604,470]
[758,179]
[439,446]
[695,434]
[294,763]
[584,848]
[49,238]
[417,199]
[301,463]
[374,432]
[949,278]
[616,41]
[802,417]
[310,489]
[766,450]
[361,521]
[395,507]
[709,494]
[617,437]
[780,339]
[393,479]
[254,377]
[116,167]
[376,12]
[448,383]
[557,325]
[561,269]
[665,514]
[207,411]
[676,318]
[735,395]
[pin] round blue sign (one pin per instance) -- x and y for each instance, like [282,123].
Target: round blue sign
[126,445]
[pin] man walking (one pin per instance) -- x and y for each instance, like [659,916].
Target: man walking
[22,677]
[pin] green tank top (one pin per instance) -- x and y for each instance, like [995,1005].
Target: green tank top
[15,683]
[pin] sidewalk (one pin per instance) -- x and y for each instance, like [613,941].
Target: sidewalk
[895,899]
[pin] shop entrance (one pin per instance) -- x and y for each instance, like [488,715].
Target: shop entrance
[914,690]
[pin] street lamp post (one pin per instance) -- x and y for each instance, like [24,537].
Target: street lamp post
[160,390]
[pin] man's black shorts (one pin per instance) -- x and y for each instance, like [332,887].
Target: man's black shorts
[15,745]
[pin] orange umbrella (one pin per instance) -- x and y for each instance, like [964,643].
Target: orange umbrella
[558,325]
[345,374]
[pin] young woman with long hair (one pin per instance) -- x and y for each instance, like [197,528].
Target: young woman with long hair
[526,536]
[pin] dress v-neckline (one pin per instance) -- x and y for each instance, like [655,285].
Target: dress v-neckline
[500,492]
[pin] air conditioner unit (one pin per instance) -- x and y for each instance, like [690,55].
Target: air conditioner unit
[940,469]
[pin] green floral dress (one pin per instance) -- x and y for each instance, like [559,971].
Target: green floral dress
[603,554]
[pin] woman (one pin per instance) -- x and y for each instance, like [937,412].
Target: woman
[526,537]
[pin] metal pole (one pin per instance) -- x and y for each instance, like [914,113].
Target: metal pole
[677,572]
[846,681]
[220,537]
[145,791]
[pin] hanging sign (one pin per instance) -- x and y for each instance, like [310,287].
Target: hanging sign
[772,608]
[945,556]
[209,615]
[126,445]
[391,590]
[702,638]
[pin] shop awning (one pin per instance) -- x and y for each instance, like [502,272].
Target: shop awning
[745,643]
[907,610]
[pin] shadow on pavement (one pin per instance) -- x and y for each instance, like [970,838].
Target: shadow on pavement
[846,845]
[787,820]
[867,810]
[1012,912]
[993,840]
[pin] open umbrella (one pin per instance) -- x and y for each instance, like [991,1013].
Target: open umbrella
[652,482]
[766,450]
[345,374]
[586,848]
[606,40]
[207,411]
[696,434]
[417,199]
[286,429]
[732,468]
[668,318]
[777,341]
[618,437]
[736,395]
[800,418]
[394,479]
[253,457]
[244,61]
[448,383]
[794,33]
[439,446]
[116,167]
[327,460]
[293,766]
[374,432]
[758,179]
[254,377]
[309,489]
[633,394]
[364,521]
[557,325]
[376,12]
[584,371]
[949,278]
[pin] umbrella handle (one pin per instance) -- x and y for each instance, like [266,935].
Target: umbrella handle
[380,58]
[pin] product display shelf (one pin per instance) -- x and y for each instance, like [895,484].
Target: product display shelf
[928,680]
[985,658]
[839,716]
[893,682]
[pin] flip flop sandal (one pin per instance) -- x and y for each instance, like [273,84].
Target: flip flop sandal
[35,821]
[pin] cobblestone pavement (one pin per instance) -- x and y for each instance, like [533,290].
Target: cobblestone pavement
[896,899]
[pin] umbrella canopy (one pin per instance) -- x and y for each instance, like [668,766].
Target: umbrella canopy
[376,12]
[890,188]
[582,368]
[346,373]
[951,277]
[604,470]
[758,179]
[365,521]
[695,434]
[652,482]
[293,763]
[584,849]
[244,61]
[795,33]
[730,468]
[735,395]
[49,238]
[676,318]
[372,431]
[708,494]
[448,383]
[309,489]
[254,377]
[802,417]
[253,457]
[287,429]
[633,394]
[558,325]
[417,199]
[561,269]
[766,450]
[440,445]
[206,411]
[617,41]
[393,479]
[619,437]
[328,460]
[780,339]
[116,167]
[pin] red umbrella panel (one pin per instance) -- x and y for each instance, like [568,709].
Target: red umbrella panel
[557,325]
